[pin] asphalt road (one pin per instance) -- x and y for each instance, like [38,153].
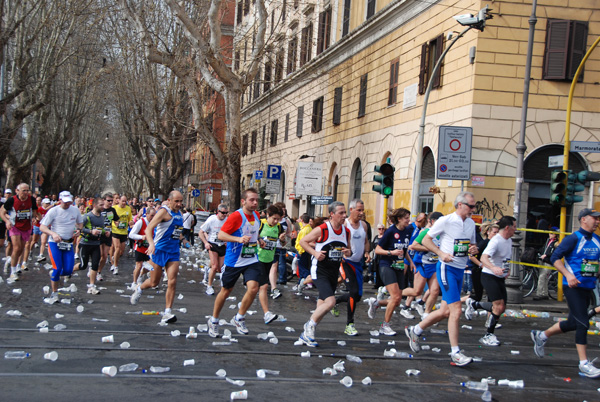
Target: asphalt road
[76,375]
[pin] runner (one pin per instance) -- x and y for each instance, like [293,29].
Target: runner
[62,225]
[270,231]
[352,267]
[37,233]
[332,243]
[216,248]
[240,231]
[110,215]
[392,249]
[581,252]
[164,251]
[425,262]
[138,234]
[495,269]
[279,267]
[417,304]
[303,257]
[119,232]
[457,241]
[89,245]
[17,213]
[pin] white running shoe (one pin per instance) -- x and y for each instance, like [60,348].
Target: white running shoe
[470,309]
[460,359]
[116,271]
[381,293]
[373,306]
[538,343]
[489,340]
[99,277]
[240,325]
[270,317]
[93,290]
[404,312]
[213,328]
[135,297]
[413,339]
[420,308]
[589,370]
[7,265]
[210,290]
[41,258]
[169,318]
[385,329]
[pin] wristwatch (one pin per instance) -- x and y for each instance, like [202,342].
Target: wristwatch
[389,252]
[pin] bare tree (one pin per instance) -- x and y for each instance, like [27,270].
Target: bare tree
[209,64]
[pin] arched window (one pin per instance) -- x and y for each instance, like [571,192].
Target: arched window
[356,180]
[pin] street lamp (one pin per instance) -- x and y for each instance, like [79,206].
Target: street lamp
[469,21]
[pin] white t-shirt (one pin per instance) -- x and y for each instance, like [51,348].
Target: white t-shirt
[188,219]
[211,227]
[455,237]
[499,250]
[62,221]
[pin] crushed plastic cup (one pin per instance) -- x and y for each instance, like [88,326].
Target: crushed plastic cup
[367,381]
[110,371]
[436,350]
[354,359]
[58,316]
[192,336]
[239,383]
[221,343]
[341,343]
[52,356]
[128,367]
[243,394]
[14,313]
[374,333]
[189,362]
[274,341]
[329,371]
[486,396]
[221,373]
[346,381]
[263,336]
[60,327]
[516,384]
[125,345]
[290,329]
[226,334]
[80,308]
[44,330]
[374,340]
[261,373]
[108,339]
[467,327]
[305,354]
[339,366]
[514,352]
[17,291]
[202,327]
[180,297]
[414,372]
[65,301]
[175,333]
[183,310]
[46,290]
[42,324]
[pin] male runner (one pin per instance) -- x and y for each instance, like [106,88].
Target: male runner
[89,245]
[332,243]
[457,241]
[138,234]
[119,232]
[62,224]
[110,215]
[240,231]
[163,247]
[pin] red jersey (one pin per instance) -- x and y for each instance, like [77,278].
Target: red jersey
[21,212]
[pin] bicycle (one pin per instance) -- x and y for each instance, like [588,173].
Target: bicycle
[530,281]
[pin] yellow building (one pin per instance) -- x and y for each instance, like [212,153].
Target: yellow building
[343,82]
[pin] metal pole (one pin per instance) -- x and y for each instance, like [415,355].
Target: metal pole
[514,281]
[563,210]
[421,135]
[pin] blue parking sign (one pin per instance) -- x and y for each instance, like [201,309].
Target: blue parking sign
[274,172]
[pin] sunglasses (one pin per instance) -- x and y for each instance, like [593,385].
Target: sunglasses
[109,200]
[471,206]
[224,212]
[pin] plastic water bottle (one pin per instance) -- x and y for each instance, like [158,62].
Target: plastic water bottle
[479,386]
[128,367]
[158,369]
[16,354]
[487,396]
[354,359]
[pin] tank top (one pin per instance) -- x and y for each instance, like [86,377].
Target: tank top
[357,241]
[332,243]
[141,246]
[166,234]
[241,255]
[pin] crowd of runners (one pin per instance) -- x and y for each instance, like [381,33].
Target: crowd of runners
[411,264]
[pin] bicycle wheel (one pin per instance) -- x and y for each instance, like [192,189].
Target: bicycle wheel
[529,280]
[553,285]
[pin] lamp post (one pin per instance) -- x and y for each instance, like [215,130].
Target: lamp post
[470,21]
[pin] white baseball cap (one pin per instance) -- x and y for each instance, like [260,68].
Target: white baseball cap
[65,196]
[46,201]
[8,190]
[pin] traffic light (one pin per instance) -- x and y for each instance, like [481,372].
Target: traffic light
[585,176]
[573,187]
[559,187]
[385,178]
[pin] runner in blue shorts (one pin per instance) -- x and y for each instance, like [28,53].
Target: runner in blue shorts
[426,262]
[457,241]
[163,248]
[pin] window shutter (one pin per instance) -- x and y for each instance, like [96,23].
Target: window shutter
[337,106]
[579,33]
[300,121]
[321,36]
[346,19]
[439,49]
[362,102]
[423,68]
[557,47]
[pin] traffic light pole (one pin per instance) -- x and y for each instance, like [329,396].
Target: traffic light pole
[567,149]
[385,209]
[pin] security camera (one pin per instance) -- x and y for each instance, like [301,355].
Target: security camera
[466,19]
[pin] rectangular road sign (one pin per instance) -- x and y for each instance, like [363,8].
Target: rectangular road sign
[585,146]
[274,172]
[454,153]
[272,186]
[321,200]
[258,174]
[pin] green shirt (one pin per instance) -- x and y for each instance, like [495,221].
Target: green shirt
[269,234]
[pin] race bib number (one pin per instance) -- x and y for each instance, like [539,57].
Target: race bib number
[335,254]
[270,244]
[143,243]
[122,225]
[176,232]
[249,251]
[23,215]
[505,267]
[398,264]
[432,258]
[461,247]
[589,268]
[64,246]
